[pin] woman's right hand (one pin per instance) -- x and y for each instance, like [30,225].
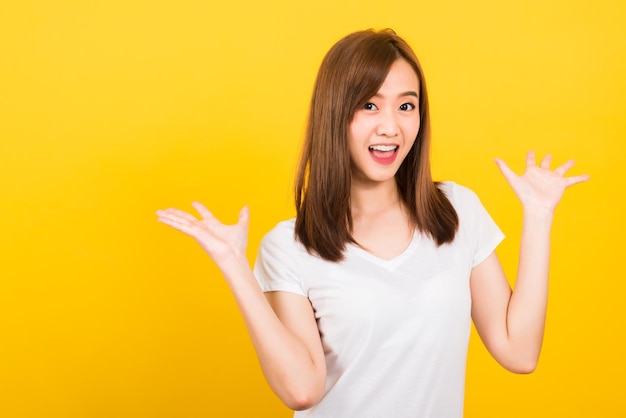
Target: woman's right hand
[223,243]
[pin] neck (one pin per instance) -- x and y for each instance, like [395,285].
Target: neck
[372,198]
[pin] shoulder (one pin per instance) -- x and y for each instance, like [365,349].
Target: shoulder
[460,196]
[278,266]
[283,231]
[281,239]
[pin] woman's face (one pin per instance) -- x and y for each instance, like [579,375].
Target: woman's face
[383,131]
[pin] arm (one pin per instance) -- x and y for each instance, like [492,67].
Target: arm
[282,326]
[511,323]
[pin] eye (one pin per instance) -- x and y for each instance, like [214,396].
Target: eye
[370,106]
[407,106]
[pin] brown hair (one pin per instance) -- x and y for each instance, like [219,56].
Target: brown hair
[351,73]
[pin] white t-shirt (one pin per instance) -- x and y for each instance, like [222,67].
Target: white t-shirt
[395,332]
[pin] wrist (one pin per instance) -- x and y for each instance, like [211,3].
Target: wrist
[539,215]
[235,266]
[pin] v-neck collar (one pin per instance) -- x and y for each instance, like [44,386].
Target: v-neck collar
[390,264]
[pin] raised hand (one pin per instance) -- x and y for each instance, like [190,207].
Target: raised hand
[223,243]
[540,186]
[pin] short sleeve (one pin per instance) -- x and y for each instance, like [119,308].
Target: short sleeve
[276,265]
[480,230]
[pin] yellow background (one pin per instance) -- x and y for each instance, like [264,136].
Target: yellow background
[112,109]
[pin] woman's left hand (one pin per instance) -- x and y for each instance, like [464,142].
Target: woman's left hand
[539,186]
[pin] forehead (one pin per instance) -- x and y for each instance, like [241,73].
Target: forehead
[400,78]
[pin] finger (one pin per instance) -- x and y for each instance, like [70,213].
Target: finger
[577,179]
[176,214]
[202,210]
[530,159]
[545,162]
[182,226]
[508,174]
[561,170]
[244,216]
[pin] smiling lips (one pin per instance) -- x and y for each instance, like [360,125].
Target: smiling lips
[383,154]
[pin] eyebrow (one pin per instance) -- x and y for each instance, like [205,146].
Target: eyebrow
[406,93]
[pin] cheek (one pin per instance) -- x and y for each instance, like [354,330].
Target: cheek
[357,133]
[411,129]
[357,125]
[412,133]
[416,126]
[352,144]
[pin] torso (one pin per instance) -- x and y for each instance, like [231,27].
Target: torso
[394,320]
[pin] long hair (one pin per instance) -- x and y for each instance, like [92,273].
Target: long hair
[351,73]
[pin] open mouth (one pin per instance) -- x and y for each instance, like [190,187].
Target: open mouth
[383,148]
[384,154]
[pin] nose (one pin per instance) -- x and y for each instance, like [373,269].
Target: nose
[387,124]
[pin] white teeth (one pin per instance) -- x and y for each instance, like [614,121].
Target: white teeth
[383,147]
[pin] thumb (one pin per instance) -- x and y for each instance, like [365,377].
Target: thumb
[508,174]
[244,216]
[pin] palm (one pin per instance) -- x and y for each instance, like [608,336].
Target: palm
[539,185]
[220,241]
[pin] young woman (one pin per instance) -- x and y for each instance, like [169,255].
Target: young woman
[361,305]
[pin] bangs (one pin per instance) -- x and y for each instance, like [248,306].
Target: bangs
[369,67]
